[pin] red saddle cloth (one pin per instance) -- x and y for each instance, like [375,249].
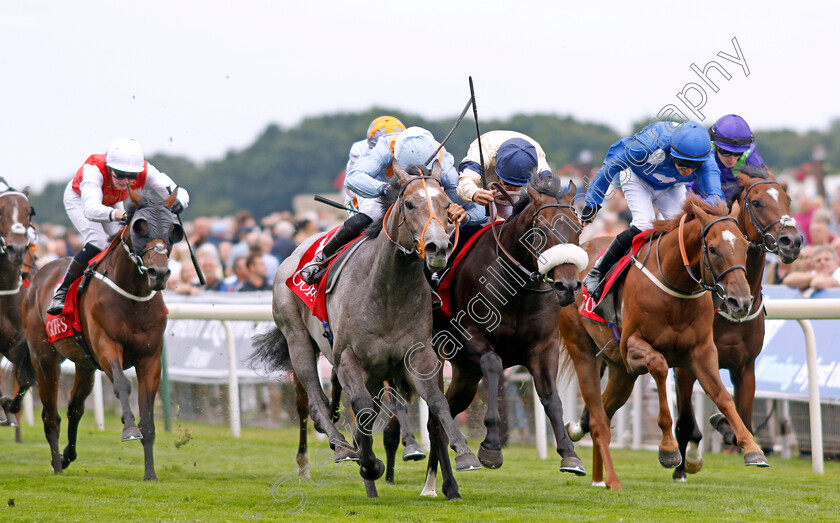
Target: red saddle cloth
[62,325]
[615,275]
[315,296]
[446,282]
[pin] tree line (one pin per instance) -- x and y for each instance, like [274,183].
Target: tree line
[282,163]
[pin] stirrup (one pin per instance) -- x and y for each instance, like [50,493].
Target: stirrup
[57,305]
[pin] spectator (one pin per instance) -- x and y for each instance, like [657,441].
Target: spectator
[256,279]
[306,226]
[835,244]
[283,245]
[818,229]
[239,275]
[212,271]
[188,282]
[826,273]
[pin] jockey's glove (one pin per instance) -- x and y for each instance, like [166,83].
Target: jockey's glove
[177,207]
[589,213]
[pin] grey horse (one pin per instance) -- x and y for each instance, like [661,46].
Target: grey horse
[380,313]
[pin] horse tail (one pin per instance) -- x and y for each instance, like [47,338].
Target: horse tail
[24,370]
[566,366]
[271,350]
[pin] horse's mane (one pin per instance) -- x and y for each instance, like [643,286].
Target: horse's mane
[716,210]
[550,185]
[389,199]
[754,171]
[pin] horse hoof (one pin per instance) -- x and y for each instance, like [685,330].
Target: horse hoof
[670,458]
[716,419]
[467,462]
[755,459]
[413,452]
[492,459]
[13,422]
[374,473]
[693,459]
[575,430]
[131,433]
[345,454]
[574,465]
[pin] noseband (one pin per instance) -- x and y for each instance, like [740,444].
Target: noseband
[715,286]
[770,242]
[419,246]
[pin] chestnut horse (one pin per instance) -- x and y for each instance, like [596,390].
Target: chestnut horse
[15,213]
[766,222]
[505,297]
[123,318]
[665,318]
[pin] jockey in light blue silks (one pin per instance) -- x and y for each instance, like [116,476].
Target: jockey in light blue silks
[369,179]
[655,164]
[378,128]
[734,147]
[509,158]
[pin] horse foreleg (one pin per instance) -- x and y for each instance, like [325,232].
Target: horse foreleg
[490,451]
[641,357]
[302,405]
[353,377]
[82,385]
[148,381]
[391,441]
[111,363]
[335,402]
[543,368]
[687,432]
[412,450]
[745,394]
[705,367]
[48,371]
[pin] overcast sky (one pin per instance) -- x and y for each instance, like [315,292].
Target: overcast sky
[201,78]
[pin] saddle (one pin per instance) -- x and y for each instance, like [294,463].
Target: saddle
[606,310]
[447,274]
[68,322]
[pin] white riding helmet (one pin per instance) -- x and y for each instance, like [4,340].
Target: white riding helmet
[125,154]
[414,146]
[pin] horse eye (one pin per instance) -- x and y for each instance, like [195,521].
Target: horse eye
[409,205]
[713,250]
[756,203]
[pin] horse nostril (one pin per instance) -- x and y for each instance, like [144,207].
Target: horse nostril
[577,287]
[733,304]
[431,248]
[153,273]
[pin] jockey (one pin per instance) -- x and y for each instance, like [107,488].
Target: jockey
[94,202]
[655,164]
[369,179]
[509,158]
[376,130]
[734,148]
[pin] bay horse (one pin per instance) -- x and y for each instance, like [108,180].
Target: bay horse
[380,310]
[123,318]
[665,319]
[15,215]
[765,220]
[505,297]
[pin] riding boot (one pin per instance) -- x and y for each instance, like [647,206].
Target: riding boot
[617,249]
[74,272]
[350,229]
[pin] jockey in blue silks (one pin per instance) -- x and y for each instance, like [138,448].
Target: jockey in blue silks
[369,178]
[655,164]
[734,147]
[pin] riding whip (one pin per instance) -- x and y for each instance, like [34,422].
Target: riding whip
[457,123]
[478,134]
[201,279]
[319,198]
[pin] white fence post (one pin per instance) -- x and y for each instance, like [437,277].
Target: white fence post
[813,397]
[98,400]
[423,416]
[28,409]
[233,382]
[539,425]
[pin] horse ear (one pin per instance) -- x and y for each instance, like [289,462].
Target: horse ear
[736,208]
[170,200]
[701,215]
[437,171]
[25,191]
[744,179]
[571,190]
[400,173]
[176,234]
[135,198]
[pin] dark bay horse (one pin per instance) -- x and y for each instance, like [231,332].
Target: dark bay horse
[765,220]
[123,318]
[15,214]
[380,310]
[665,321]
[505,297]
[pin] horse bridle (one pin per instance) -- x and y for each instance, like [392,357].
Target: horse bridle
[533,276]
[16,228]
[770,242]
[715,286]
[159,248]
[419,244]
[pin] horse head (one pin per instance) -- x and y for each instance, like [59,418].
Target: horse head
[421,214]
[723,257]
[765,214]
[15,213]
[554,234]
[153,230]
